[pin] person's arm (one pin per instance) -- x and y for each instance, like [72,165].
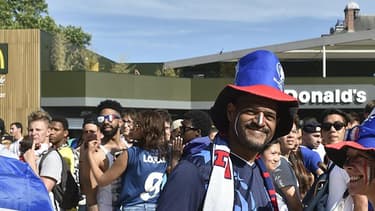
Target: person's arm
[286,181]
[48,173]
[115,171]
[87,180]
[292,199]
[48,182]
[360,202]
[50,169]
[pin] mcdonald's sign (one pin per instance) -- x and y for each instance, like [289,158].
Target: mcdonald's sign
[3,58]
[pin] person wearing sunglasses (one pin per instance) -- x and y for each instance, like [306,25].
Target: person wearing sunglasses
[357,157]
[194,131]
[110,122]
[193,135]
[141,168]
[333,125]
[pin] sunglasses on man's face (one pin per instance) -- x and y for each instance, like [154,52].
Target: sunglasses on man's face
[109,118]
[326,126]
[183,129]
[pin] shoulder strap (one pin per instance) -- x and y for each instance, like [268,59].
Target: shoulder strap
[64,167]
[330,168]
[43,157]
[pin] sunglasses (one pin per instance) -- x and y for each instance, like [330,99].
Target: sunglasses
[109,118]
[326,126]
[183,129]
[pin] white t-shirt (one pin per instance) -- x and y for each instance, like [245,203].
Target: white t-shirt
[338,180]
[320,150]
[15,147]
[51,168]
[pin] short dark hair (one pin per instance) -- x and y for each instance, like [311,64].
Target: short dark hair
[200,120]
[90,119]
[112,104]
[62,120]
[18,125]
[331,111]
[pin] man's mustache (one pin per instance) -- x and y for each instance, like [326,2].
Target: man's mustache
[254,126]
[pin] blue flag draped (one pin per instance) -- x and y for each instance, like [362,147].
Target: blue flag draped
[20,188]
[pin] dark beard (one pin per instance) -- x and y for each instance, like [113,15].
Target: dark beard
[109,134]
[251,145]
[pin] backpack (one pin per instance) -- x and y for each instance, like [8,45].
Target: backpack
[67,191]
[317,196]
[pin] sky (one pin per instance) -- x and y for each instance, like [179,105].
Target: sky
[167,30]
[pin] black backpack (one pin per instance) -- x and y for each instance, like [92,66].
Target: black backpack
[67,191]
[317,197]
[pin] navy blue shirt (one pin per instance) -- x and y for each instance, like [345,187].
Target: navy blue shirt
[187,185]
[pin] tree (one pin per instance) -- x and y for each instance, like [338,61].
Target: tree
[76,36]
[120,68]
[33,14]
[168,72]
[58,52]
[26,14]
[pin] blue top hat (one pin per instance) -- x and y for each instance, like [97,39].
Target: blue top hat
[261,74]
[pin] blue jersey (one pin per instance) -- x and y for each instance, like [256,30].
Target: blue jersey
[187,185]
[142,180]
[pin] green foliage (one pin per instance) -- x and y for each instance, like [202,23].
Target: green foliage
[66,56]
[76,36]
[167,72]
[68,48]
[58,52]
[25,14]
[33,14]
[120,68]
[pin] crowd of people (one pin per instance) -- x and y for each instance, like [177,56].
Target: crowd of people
[249,152]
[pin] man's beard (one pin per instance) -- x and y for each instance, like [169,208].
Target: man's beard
[246,141]
[108,134]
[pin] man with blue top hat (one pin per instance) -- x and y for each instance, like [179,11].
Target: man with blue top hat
[227,175]
[357,157]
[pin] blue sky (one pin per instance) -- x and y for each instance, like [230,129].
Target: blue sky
[167,30]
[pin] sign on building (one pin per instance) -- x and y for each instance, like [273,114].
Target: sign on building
[3,58]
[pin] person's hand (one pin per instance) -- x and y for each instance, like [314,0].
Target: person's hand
[29,156]
[177,146]
[93,145]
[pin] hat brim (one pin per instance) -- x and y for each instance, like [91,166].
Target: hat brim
[287,105]
[337,152]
